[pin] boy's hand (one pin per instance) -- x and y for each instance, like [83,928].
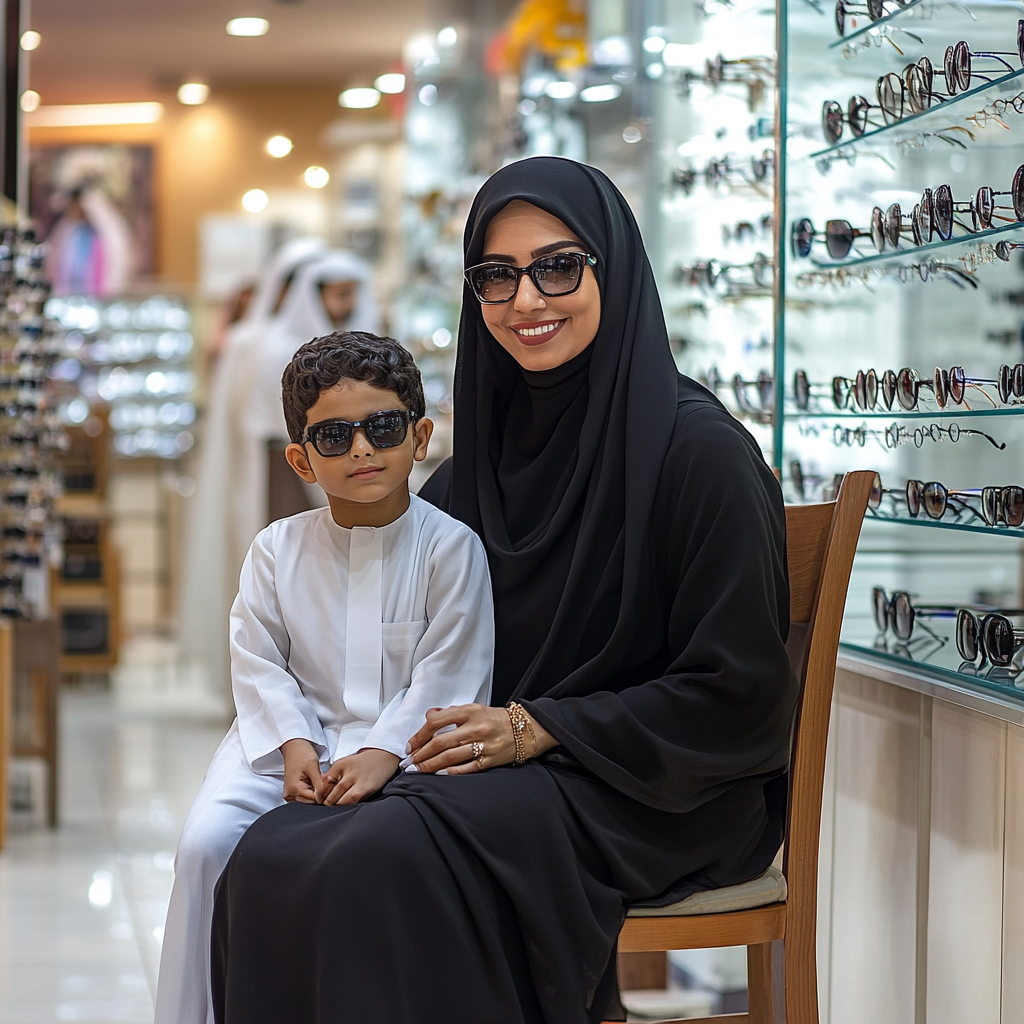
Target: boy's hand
[302,781]
[359,775]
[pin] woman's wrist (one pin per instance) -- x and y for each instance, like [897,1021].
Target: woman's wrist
[530,738]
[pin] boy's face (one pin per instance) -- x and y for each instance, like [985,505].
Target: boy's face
[366,483]
[339,299]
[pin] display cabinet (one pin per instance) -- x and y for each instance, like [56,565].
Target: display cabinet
[714,167]
[901,188]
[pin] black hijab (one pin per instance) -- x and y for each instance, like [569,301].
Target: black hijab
[557,470]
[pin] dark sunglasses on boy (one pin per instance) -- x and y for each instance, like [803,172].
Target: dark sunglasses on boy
[560,274]
[331,438]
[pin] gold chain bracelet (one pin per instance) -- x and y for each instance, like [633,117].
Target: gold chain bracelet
[520,722]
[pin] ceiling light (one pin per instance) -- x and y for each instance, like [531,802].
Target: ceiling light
[77,115]
[392,83]
[655,70]
[30,40]
[447,36]
[248,27]
[255,200]
[560,90]
[428,94]
[359,99]
[193,93]
[601,93]
[316,177]
[30,101]
[654,44]
[631,134]
[279,146]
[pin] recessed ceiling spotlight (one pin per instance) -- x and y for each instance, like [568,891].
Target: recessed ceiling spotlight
[359,99]
[248,27]
[392,83]
[601,93]
[255,200]
[279,146]
[560,90]
[316,177]
[193,93]
[447,36]
[30,100]
[31,39]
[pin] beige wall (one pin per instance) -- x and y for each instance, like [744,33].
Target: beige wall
[208,156]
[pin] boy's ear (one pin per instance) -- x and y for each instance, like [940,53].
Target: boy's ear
[421,435]
[296,456]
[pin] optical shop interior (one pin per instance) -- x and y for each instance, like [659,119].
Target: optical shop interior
[512,511]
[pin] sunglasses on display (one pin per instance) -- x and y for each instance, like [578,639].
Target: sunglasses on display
[874,9]
[332,438]
[748,231]
[838,236]
[552,276]
[995,110]
[998,504]
[764,389]
[993,637]
[986,253]
[708,273]
[898,613]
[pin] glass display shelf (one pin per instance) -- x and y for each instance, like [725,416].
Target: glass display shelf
[1016,532]
[901,414]
[938,658]
[844,40]
[898,254]
[948,102]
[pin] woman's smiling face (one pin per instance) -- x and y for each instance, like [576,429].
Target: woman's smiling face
[538,331]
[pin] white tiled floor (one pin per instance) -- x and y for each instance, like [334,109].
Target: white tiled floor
[82,907]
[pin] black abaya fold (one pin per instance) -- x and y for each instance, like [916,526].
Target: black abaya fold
[641,611]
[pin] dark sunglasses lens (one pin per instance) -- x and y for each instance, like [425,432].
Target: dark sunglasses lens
[858,115]
[942,207]
[860,390]
[941,386]
[871,389]
[962,65]
[893,224]
[387,430]
[1003,384]
[803,237]
[557,275]
[875,9]
[890,97]
[840,392]
[332,438]
[914,488]
[957,384]
[1017,191]
[991,502]
[881,609]
[888,388]
[796,474]
[902,615]
[984,208]
[494,283]
[840,18]
[1013,505]
[906,389]
[832,121]
[997,635]
[934,500]
[838,238]
[967,635]
[875,497]
[801,390]
[1017,381]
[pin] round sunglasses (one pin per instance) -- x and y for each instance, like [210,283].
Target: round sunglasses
[332,438]
[560,274]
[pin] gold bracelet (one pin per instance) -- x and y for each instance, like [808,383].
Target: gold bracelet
[520,722]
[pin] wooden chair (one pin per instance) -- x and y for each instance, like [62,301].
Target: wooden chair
[774,916]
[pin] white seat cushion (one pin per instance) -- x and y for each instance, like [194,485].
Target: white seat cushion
[758,892]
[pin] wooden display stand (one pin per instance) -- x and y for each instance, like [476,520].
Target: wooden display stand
[85,591]
[6,714]
[36,682]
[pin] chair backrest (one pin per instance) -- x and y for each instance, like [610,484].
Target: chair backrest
[821,543]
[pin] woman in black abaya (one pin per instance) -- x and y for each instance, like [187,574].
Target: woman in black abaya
[637,546]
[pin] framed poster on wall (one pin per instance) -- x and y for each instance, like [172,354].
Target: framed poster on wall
[93,204]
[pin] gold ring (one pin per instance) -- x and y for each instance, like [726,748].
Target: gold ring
[478,753]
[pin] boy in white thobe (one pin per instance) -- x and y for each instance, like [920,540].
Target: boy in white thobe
[350,623]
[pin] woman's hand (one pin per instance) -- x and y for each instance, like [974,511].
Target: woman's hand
[451,753]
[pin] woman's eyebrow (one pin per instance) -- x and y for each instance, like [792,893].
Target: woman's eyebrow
[499,257]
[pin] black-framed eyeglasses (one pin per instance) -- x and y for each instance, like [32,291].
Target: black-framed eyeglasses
[838,236]
[875,9]
[553,276]
[331,438]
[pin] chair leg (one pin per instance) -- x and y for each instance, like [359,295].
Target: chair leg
[766,983]
[801,975]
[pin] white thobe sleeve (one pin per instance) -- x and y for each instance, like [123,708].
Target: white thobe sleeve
[271,707]
[453,660]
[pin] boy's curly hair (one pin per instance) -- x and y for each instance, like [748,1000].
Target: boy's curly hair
[323,363]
